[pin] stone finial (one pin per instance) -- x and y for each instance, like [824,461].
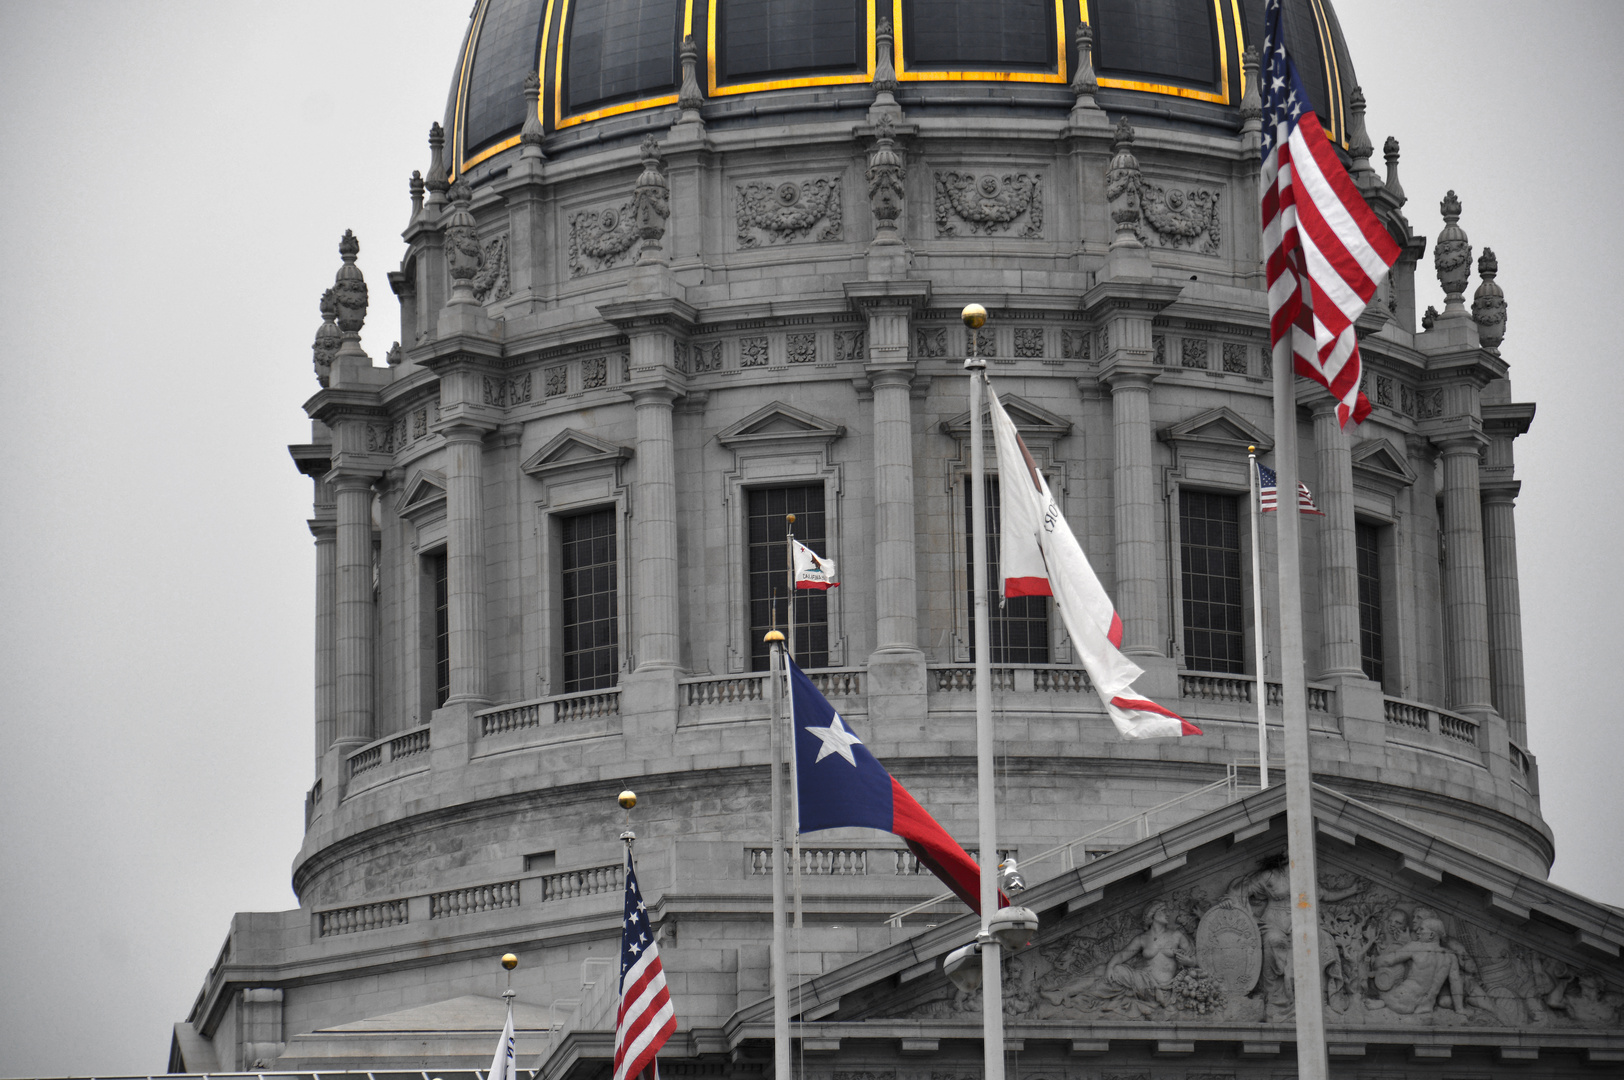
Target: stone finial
[437,182]
[329,338]
[1251,100]
[532,134]
[885,175]
[690,97]
[1489,303]
[1085,83]
[1394,189]
[415,186]
[1452,255]
[885,71]
[1123,186]
[651,201]
[1429,318]
[350,288]
[1359,148]
[394,355]
[463,253]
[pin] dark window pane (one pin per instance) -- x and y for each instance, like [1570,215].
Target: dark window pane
[442,628]
[1171,39]
[1020,624]
[769,573]
[761,39]
[1367,543]
[620,49]
[1210,550]
[1014,35]
[590,601]
[507,51]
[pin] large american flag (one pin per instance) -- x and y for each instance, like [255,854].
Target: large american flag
[1326,251]
[1268,489]
[645,1019]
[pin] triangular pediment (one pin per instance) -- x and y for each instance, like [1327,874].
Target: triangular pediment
[572,449]
[1398,907]
[424,490]
[1380,460]
[1220,427]
[1032,421]
[779,422]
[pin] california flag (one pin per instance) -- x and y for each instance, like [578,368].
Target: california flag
[1039,556]
[812,572]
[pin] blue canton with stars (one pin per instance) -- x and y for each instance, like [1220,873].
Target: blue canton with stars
[636,935]
[1284,99]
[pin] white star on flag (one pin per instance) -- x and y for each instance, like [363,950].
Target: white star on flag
[837,739]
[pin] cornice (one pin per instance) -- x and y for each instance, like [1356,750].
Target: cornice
[654,313]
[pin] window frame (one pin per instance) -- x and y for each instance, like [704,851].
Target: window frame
[1247,629]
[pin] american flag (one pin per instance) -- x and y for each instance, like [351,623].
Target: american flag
[645,1020]
[1326,251]
[1269,498]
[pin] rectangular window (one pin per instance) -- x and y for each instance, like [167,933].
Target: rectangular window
[590,596]
[1367,542]
[769,573]
[435,564]
[1210,549]
[1020,624]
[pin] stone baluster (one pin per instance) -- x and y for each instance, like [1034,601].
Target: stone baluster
[655,569]
[1339,567]
[465,561]
[354,614]
[1466,629]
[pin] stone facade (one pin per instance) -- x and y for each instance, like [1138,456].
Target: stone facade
[655,324]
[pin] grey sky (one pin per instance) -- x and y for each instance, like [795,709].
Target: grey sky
[180,175]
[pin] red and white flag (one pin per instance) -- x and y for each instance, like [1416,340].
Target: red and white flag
[811,571]
[1039,556]
[1325,251]
[645,1019]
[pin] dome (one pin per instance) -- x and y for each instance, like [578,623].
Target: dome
[1162,61]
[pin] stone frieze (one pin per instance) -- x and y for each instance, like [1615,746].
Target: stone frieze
[770,213]
[989,205]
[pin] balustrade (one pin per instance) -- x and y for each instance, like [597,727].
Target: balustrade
[1412,714]
[1242,690]
[573,883]
[352,920]
[370,758]
[727,690]
[560,709]
[473,900]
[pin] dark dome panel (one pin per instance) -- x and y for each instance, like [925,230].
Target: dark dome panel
[619,50]
[1321,56]
[973,35]
[507,52]
[778,39]
[1158,39]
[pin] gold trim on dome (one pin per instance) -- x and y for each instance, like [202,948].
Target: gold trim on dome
[715,90]
[456,131]
[1169,88]
[1240,40]
[1333,76]
[560,121]
[1059,74]
[490,152]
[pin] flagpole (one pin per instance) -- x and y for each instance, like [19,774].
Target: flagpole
[781,1066]
[1306,975]
[794,781]
[1261,690]
[992,987]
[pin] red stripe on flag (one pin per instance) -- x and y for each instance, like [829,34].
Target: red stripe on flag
[819,585]
[933,847]
[1027,586]
[1115,633]
[1145,705]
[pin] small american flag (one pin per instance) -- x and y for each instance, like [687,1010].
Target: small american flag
[645,1020]
[1269,497]
[1325,251]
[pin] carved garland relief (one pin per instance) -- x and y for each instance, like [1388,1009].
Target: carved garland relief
[782,213]
[1182,218]
[600,239]
[988,204]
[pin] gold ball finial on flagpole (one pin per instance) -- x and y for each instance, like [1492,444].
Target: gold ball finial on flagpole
[773,636]
[510,961]
[974,316]
[790,518]
[1251,449]
[628,799]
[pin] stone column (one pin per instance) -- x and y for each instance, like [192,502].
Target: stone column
[465,561]
[326,533]
[1138,585]
[1504,607]
[1466,614]
[654,534]
[896,600]
[355,617]
[1339,566]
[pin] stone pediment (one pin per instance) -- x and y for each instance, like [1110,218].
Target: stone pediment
[572,449]
[1380,461]
[1033,421]
[424,491]
[1183,935]
[1220,427]
[778,423]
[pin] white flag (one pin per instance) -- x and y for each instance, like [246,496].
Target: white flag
[1039,556]
[504,1066]
[812,572]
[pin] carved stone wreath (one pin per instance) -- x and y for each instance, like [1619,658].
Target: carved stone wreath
[1182,218]
[599,239]
[491,282]
[783,213]
[989,204]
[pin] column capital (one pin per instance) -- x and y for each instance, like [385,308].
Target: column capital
[866,295]
[655,394]
[1128,296]
[324,529]
[1124,374]
[1499,491]
[659,314]
[464,429]
[1460,440]
[889,374]
[347,478]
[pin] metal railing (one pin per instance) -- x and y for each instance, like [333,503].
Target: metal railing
[1230,785]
